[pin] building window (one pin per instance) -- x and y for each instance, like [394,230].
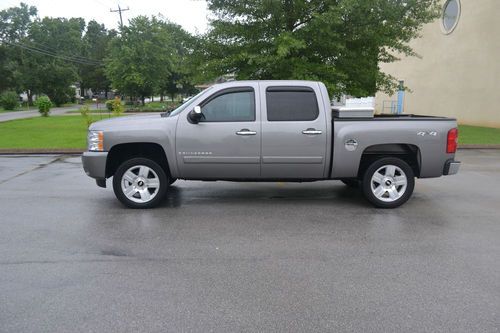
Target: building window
[451,14]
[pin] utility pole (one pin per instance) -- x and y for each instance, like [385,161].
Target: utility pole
[119,10]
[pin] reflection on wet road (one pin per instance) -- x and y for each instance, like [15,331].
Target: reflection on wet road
[221,256]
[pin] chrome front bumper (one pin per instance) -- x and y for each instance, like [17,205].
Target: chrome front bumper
[451,167]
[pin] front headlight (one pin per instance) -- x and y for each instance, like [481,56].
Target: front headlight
[95,141]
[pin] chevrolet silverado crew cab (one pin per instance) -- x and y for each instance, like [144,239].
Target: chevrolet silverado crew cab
[268,131]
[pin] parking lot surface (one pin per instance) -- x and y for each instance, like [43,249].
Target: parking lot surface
[236,257]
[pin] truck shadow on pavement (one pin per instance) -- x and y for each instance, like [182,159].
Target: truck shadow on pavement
[264,193]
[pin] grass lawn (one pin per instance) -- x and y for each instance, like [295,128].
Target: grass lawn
[71,132]
[104,112]
[478,135]
[41,132]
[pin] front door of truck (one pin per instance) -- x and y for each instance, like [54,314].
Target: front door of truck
[294,132]
[225,144]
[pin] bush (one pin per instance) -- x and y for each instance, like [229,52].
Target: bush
[109,105]
[117,106]
[61,95]
[9,100]
[84,111]
[43,104]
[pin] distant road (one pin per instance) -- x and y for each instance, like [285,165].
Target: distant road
[6,116]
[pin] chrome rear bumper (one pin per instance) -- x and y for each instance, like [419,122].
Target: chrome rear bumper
[451,167]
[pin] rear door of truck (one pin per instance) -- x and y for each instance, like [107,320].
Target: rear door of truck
[294,131]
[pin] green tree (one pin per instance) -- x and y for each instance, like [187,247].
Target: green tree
[181,72]
[54,75]
[15,23]
[41,56]
[340,42]
[140,58]
[95,44]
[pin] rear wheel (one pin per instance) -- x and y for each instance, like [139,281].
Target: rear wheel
[140,183]
[388,182]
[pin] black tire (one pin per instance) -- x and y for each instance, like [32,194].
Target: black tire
[350,182]
[404,192]
[140,161]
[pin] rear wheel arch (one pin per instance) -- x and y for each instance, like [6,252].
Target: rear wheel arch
[407,152]
[126,151]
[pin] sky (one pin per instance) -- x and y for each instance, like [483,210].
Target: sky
[190,14]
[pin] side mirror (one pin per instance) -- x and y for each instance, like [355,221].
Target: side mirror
[195,115]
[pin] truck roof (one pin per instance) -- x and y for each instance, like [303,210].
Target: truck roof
[281,82]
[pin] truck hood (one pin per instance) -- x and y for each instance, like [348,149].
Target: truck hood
[119,123]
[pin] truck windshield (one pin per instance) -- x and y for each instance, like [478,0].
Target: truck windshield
[187,103]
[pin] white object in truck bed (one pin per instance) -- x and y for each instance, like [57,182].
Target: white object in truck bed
[353,112]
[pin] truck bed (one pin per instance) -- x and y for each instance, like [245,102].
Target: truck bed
[413,117]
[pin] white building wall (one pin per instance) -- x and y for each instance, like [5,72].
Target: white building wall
[459,73]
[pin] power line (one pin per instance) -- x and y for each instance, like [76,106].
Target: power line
[45,48]
[119,10]
[47,53]
[79,59]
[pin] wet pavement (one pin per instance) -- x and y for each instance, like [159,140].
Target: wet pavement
[220,256]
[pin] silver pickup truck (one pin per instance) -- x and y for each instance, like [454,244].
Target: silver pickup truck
[268,131]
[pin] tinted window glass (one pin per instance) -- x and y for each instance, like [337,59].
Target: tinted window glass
[293,104]
[231,106]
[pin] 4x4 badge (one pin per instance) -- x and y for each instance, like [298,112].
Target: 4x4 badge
[424,133]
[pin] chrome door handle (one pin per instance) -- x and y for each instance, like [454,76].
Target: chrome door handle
[311,131]
[245,131]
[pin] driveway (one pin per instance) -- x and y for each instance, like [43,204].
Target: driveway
[231,257]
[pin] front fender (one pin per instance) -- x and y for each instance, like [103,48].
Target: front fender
[142,129]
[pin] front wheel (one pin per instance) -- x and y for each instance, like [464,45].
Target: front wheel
[140,183]
[388,182]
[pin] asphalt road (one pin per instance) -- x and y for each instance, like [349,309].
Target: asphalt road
[239,257]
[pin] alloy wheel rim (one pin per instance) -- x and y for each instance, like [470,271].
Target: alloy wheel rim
[389,183]
[140,184]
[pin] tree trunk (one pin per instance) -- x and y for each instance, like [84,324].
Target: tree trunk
[143,100]
[172,97]
[30,97]
[161,98]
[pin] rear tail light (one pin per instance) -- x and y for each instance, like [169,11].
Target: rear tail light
[452,141]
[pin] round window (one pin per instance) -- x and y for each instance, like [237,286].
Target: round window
[451,14]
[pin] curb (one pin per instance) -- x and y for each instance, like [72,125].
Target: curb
[41,151]
[477,146]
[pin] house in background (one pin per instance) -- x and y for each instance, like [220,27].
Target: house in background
[459,72]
